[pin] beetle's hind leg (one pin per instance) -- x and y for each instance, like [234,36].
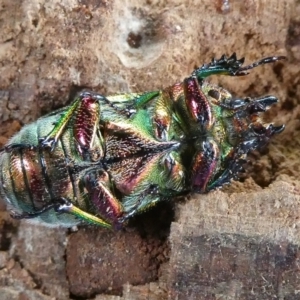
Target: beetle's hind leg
[60,206]
[87,106]
[66,206]
[55,204]
[84,113]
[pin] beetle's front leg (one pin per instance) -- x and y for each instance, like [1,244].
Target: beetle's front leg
[230,66]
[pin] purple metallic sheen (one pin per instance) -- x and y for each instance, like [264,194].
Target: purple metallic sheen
[101,198]
[87,113]
[197,103]
[35,179]
[204,166]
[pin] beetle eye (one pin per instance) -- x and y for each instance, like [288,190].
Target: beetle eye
[214,94]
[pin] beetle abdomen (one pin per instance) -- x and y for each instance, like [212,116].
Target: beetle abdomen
[34,177]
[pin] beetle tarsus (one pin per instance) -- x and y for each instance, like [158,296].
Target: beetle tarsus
[242,71]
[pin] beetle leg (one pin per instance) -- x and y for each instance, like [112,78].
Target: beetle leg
[140,201]
[266,60]
[148,193]
[101,196]
[174,171]
[197,103]
[145,98]
[110,208]
[63,206]
[78,108]
[84,112]
[204,165]
[51,139]
[139,101]
[230,66]
[235,167]
[146,198]
[256,137]
[66,206]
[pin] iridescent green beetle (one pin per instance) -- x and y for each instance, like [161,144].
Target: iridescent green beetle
[102,159]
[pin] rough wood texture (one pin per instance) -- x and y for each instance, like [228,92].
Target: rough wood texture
[238,246]
[238,243]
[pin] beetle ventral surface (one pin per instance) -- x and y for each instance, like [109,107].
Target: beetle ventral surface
[104,159]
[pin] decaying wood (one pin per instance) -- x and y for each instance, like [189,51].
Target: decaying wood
[238,246]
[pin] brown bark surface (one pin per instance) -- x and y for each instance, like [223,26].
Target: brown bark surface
[238,243]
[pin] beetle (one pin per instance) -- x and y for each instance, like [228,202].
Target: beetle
[102,160]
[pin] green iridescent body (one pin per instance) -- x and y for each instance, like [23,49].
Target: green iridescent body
[102,159]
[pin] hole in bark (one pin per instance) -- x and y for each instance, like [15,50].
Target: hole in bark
[35,22]
[134,40]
